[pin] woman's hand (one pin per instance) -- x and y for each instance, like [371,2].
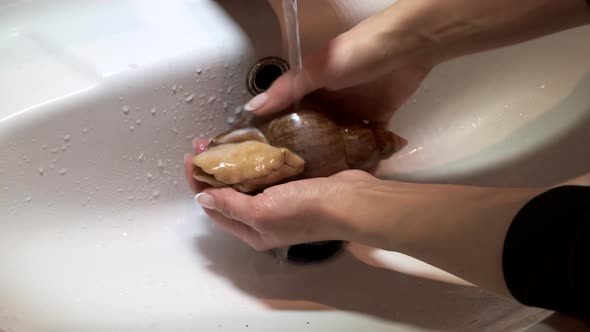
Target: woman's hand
[406,40]
[457,228]
[347,206]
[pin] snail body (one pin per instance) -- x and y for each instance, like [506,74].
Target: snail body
[292,145]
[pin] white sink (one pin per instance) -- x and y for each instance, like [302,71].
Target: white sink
[99,231]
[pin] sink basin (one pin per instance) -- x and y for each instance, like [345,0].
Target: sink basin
[99,231]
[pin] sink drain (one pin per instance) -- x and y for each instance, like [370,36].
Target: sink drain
[264,73]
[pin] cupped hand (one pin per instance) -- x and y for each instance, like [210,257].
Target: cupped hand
[375,101]
[344,206]
[367,72]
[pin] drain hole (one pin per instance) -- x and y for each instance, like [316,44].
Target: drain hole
[264,73]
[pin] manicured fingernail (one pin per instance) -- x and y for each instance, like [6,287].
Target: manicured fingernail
[205,200]
[256,102]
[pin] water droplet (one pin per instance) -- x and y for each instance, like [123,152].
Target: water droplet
[132,128]
[85,130]
[153,111]
[160,164]
[130,198]
[124,234]
[44,146]
[229,90]
[67,137]
[150,176]
[63,171]
[125,109]
[138,122]
[141,156]
[174,88]
[55,150]
[41,171]
[542,86]
[212,99]
[199,71]
[244,92]
[28,199]
[156,194]
[189,98]
[174,130]
[180,87]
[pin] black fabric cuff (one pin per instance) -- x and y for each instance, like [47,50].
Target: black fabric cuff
[546,256]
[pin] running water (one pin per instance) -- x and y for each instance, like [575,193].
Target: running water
[293,39]
[295,63]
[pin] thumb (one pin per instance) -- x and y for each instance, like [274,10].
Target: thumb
[294,84]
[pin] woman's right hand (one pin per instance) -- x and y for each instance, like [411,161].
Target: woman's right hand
[401,44]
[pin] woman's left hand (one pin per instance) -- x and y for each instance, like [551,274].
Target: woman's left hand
[347,206]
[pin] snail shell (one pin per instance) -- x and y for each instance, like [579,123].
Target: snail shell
[327,145]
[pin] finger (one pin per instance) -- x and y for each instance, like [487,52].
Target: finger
[294,85]
[188,172]
[235,205]
[200,145]
[240,230]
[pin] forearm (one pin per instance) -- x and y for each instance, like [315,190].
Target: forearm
[452,28]
[530,244]
[462,230]
[459,27]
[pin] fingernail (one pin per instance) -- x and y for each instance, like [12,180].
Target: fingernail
[205,200]
[256,102]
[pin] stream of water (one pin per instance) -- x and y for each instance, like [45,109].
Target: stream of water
[294,45]
[293,39]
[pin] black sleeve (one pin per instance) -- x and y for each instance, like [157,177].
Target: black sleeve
[546,256]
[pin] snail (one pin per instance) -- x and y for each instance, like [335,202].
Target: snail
[259,152]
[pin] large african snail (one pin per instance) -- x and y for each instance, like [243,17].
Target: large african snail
[259,152]
[263,151]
